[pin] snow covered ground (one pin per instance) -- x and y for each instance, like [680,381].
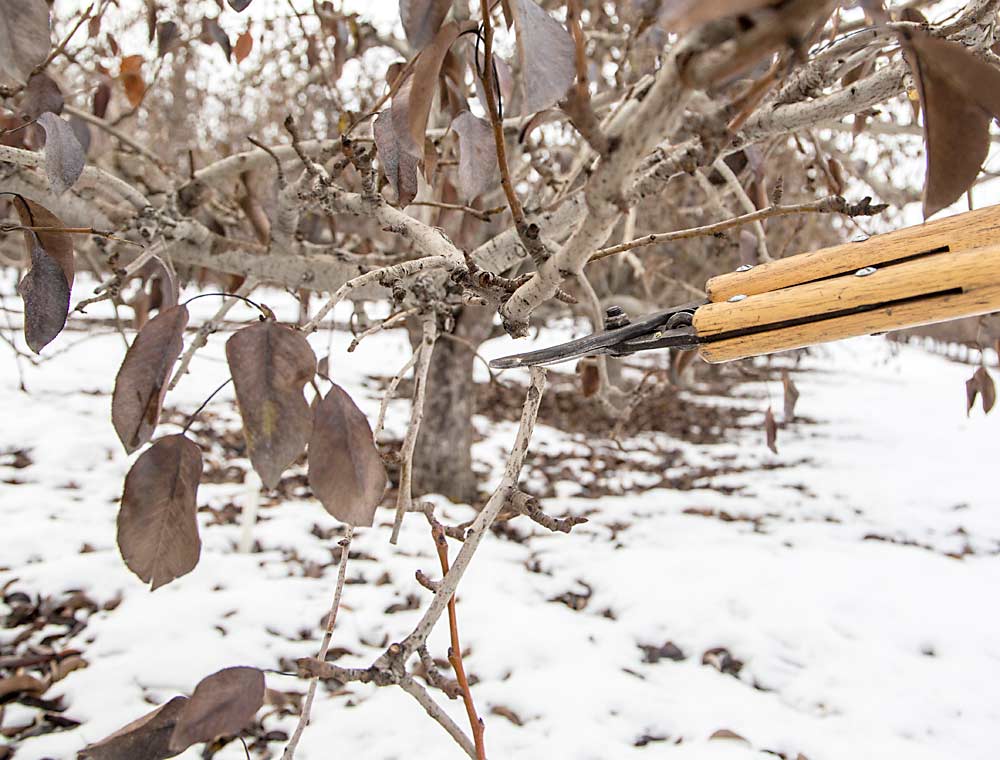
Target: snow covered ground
[852,590]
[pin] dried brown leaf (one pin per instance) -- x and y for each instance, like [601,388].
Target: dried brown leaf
[157,527]
[400,167]
[131,79]
[212,32]
[791,395]
[478,170]
[142,379]
[411,110]
[547,56]
[22,683]
[167,37]
[771,431]
[222,703]
[345,469]
[102,97]
[980,384]
[270,365]
[40,95]
[45,292]
[64,157]
[590,377]
[147,738]
[24,37]
[421,19]
[243,46]
[959,96]
[58,245]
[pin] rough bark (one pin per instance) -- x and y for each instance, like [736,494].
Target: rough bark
[442,461]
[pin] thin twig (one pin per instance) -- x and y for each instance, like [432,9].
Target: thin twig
[69,231]
[455,651]
[324,647]
[410,686]
[744,200]
[483,214]
[833,204]
[483,521]
[391,321]
[391,391]
[403,495]
[528,233]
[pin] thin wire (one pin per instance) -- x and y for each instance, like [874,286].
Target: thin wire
[197,411]
[256,305]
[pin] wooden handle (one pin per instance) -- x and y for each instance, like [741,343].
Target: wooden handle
[971,277]
[973,229]
[924,312]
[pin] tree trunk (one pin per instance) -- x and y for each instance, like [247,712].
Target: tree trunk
[442,461]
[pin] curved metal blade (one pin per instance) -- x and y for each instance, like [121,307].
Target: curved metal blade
[644,334]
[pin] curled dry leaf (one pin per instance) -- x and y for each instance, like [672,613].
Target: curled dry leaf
[40,95]
[590,377]
[45,292]
[212,32]
[157,527]
[400,167]
[64,157]
[132,81]
[142,379]
[411,106]
[546,53]
[223,703]
[980,384]
[147,738]
[244,44]
[24,37]
[167,37]
[771,430]
[478,171]
[959,96]
[421,19]
[102,97]
[791,395]
[270,365]
[345,469]
[58,245]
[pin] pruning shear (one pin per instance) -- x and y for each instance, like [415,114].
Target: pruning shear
[933,272]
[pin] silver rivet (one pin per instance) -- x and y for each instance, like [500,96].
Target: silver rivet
[744,268]
[737,298]
[864,272]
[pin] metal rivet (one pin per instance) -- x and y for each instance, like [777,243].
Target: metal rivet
[744,268]
[864,272]
[737,298]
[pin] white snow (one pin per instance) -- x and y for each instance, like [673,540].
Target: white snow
[852,646]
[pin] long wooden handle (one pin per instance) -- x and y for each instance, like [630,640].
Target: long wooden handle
[924,291]
[973,229]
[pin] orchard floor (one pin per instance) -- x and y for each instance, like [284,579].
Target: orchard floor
[834,600]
